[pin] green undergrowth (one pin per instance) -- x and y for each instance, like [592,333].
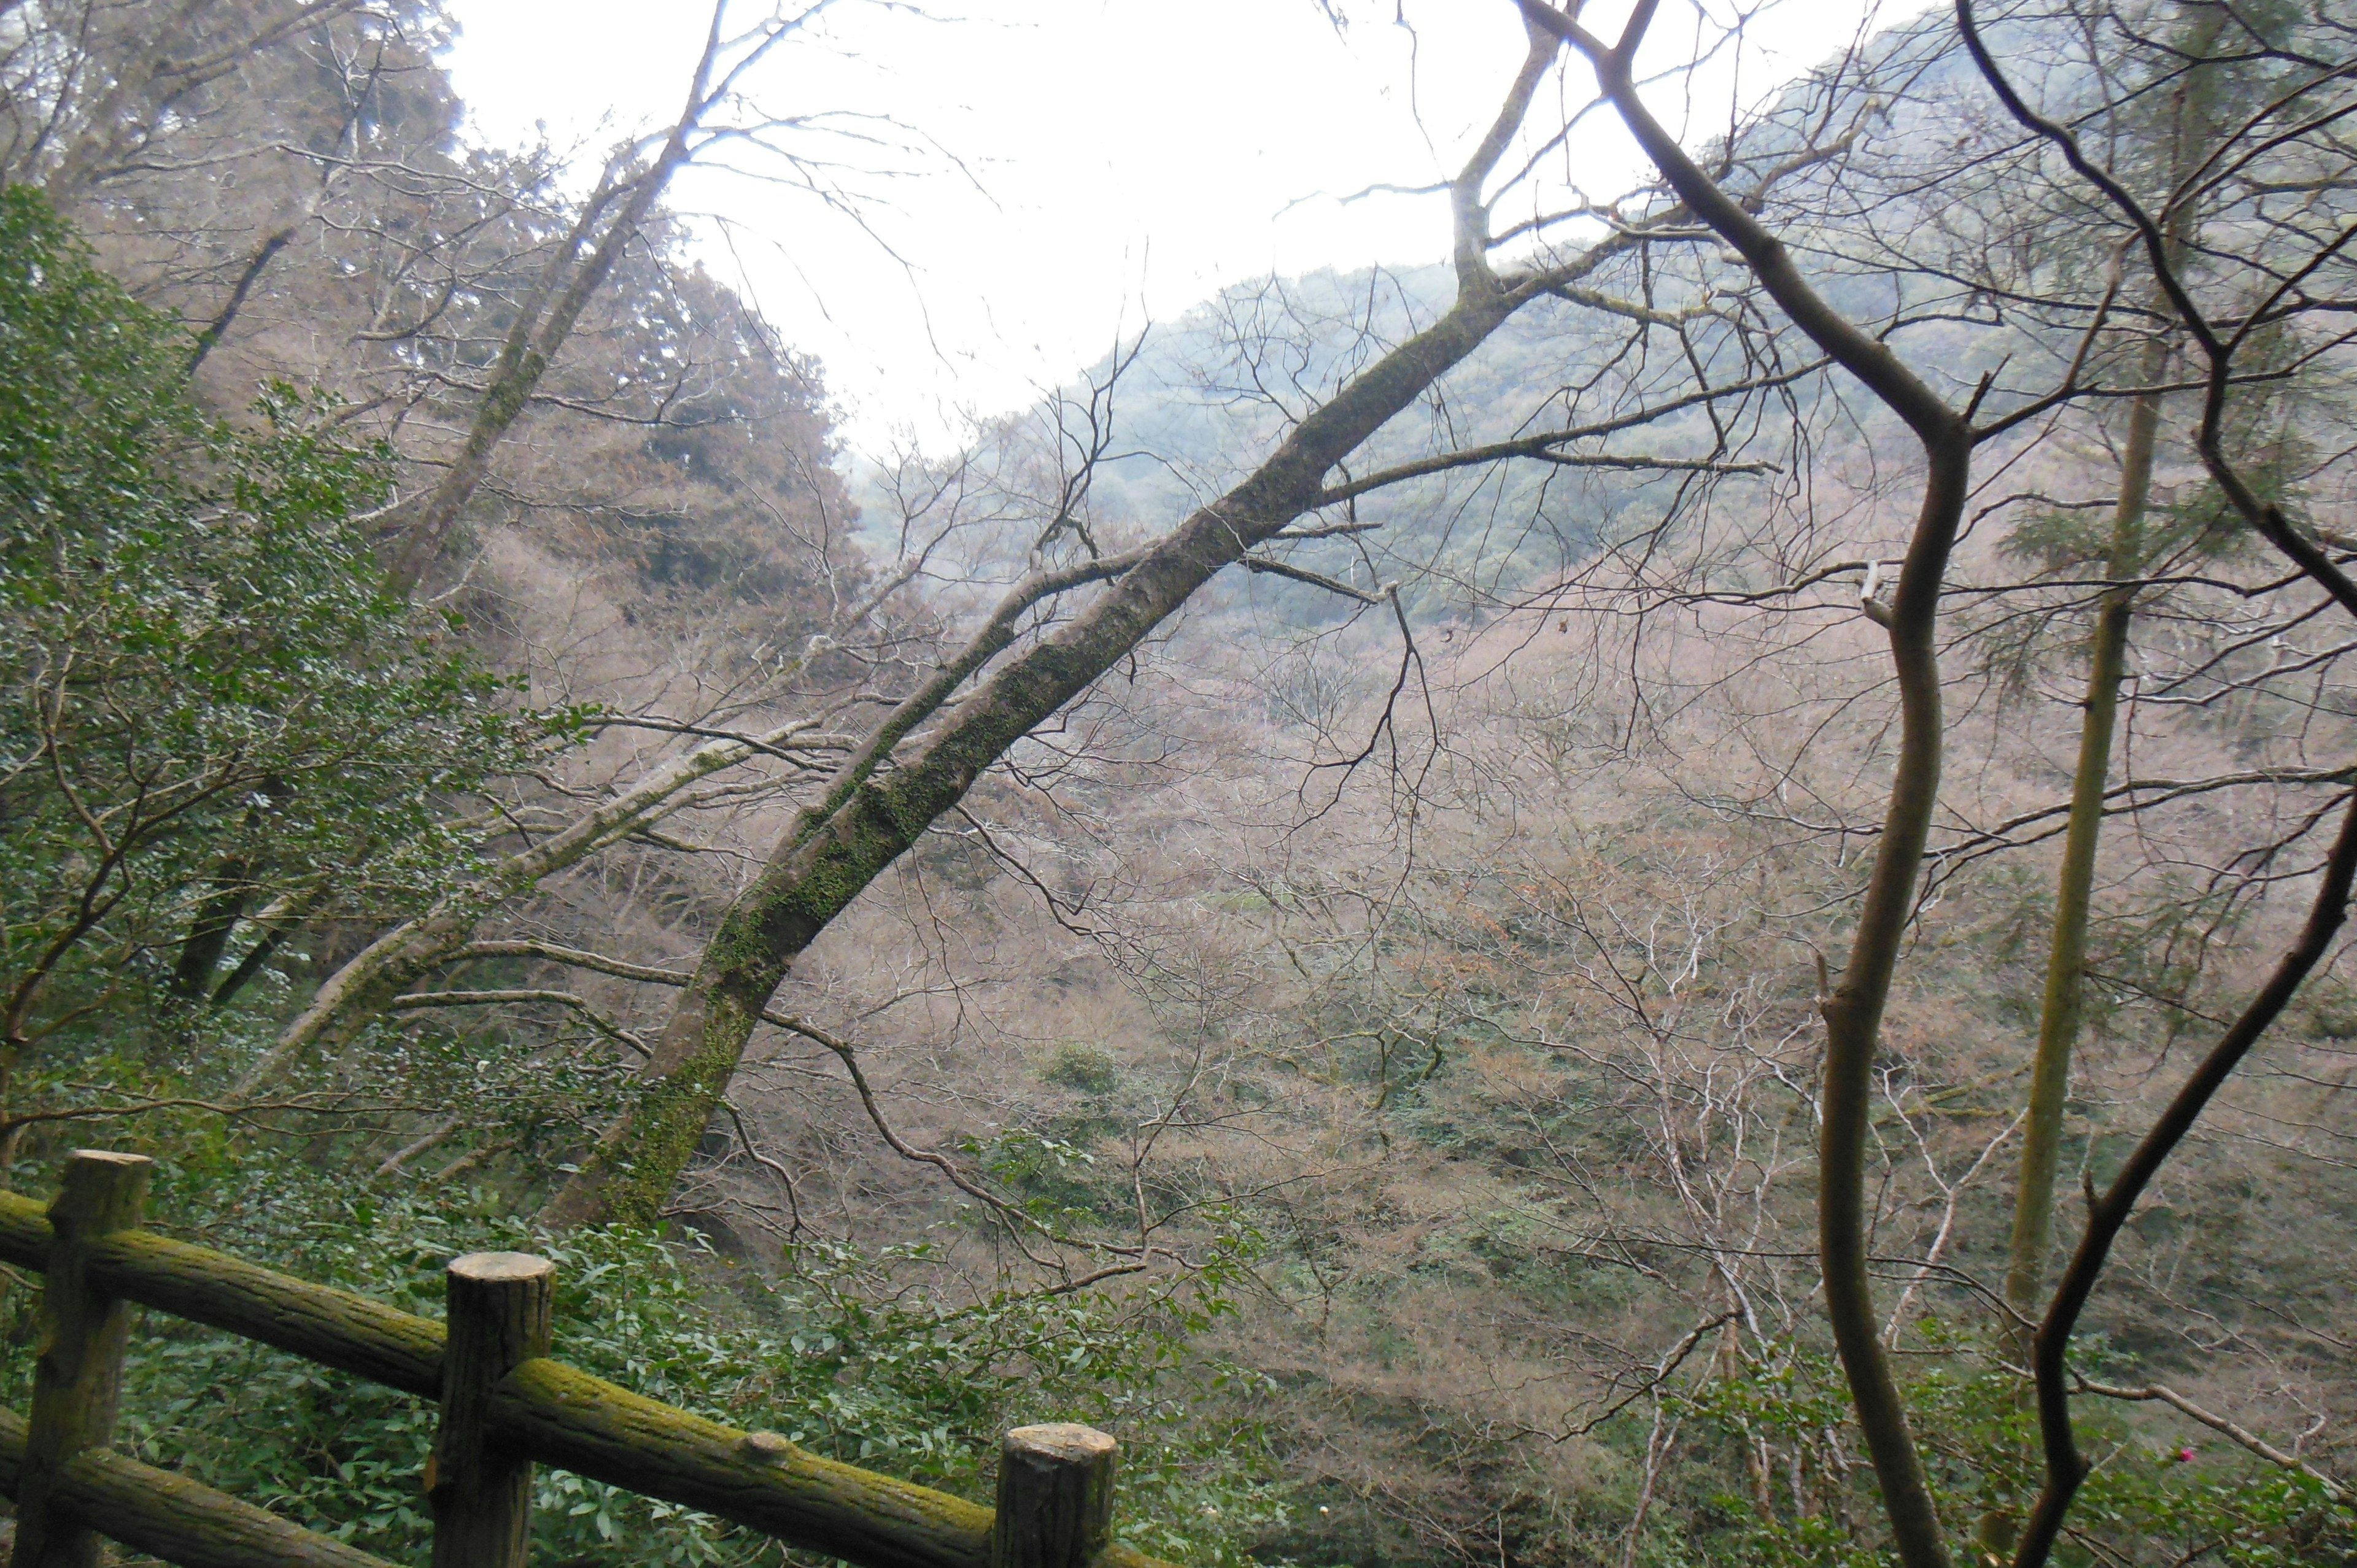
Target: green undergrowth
[825,1349]
[2154,1494]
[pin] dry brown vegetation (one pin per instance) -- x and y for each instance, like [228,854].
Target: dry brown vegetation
[1424,941]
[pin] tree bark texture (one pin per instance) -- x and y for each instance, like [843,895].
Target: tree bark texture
[1055,1497]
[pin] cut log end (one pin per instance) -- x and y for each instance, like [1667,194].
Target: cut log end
[1067,1441]
[110,1157]
[501,1268]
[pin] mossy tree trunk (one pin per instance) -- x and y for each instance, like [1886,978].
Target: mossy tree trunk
[881,802]
[2064,1005]
[834,850]
[2066,962]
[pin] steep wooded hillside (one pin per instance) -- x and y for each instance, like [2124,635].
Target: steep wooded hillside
[1309,899]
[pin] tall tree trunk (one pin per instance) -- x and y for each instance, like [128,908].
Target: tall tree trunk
[2031,1243]
[1853,1013]
[2066,959]
[418,528]
[2059,1015]
[2066,964]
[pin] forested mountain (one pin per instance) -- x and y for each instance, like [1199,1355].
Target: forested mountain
[1730,921]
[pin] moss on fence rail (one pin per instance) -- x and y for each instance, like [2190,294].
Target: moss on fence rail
[174,1518]
[558,1414]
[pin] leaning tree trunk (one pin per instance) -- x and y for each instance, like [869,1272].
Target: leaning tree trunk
[416,531]
[870,815]
[831,856]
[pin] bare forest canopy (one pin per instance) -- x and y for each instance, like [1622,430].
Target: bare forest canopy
[1669,893]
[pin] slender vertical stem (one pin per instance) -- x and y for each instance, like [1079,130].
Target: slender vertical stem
[2059,1018]
[2066,959]
[2066,1467]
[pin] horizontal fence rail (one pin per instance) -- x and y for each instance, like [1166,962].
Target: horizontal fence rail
[536,1409]
[169,1516]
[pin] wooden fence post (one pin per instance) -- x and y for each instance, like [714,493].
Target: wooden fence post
[502,1313]
[77,1379]
[1055,1497]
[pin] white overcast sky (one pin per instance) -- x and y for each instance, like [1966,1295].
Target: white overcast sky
[1073,167]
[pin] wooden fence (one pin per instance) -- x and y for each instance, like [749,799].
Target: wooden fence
[504,1405]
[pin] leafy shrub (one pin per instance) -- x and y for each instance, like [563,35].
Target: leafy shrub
[209,694]
[1814,1505]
